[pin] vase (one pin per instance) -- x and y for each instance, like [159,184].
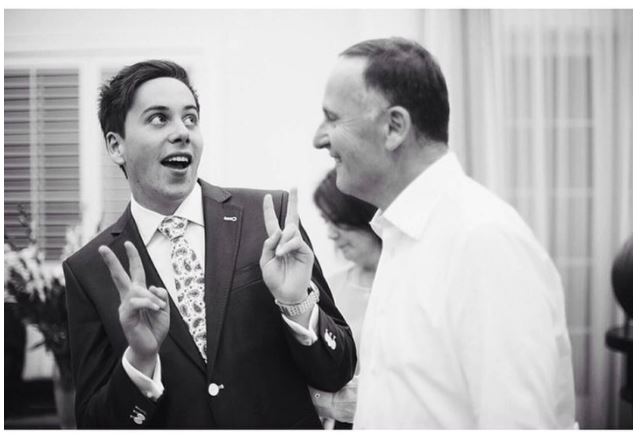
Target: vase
[64,397]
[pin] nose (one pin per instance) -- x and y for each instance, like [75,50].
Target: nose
[321,138]
[180,133]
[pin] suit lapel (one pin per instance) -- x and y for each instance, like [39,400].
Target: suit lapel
[178,330]
[222,236]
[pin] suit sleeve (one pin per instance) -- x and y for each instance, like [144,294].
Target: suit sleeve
[105,395]
[329,363]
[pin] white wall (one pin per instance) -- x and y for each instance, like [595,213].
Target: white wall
[260,75]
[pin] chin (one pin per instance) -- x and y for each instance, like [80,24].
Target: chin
[179,191]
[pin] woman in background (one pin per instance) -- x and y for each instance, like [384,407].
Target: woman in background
[347,219]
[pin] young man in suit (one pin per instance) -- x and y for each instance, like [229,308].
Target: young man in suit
[224,318]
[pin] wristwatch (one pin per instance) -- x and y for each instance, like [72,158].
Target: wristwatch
[291,310]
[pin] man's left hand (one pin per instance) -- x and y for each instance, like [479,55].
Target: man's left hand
[340,406]
[286,260]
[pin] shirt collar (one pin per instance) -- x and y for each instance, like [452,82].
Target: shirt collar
[411,209]
[148,220]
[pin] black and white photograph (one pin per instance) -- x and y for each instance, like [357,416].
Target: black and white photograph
[318,219]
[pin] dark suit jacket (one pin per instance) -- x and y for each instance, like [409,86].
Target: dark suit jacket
[251,351]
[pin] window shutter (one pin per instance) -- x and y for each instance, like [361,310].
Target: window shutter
[17,153]
[42,155]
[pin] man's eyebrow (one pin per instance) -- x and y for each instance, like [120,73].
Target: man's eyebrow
[155,108]
[165,108]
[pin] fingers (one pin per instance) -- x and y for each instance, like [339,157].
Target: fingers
[292,208]
[160,292]
[118,274]
[293,246]
[270,218]
[269,248]
[136,269]
[281,242]
[138,303]
[155,299]
[271,243]
[328,423]
[289,233]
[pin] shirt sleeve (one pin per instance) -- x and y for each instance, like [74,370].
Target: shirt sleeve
[150,387]
[307,336]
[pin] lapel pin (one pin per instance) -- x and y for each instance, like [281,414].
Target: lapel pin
[138,415]
[330,339]
[230,218]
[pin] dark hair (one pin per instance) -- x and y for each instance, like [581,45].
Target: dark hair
[340,208]
[408,76]
[116,95]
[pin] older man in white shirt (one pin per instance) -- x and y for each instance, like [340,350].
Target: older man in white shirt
[465,326]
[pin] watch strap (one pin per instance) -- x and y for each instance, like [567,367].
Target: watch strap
[292,310]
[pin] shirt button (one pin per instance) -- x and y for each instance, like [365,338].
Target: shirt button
[316,395]
[213,390]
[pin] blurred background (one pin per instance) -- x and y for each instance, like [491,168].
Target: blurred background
[541,113]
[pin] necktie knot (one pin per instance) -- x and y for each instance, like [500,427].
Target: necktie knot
[173,226]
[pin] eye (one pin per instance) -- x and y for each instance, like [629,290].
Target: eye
[330,117]
[158,119]
[191,120]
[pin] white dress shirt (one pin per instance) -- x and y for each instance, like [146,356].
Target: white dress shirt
[465,326]
[159,249]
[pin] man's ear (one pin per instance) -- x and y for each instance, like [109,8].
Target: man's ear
[398,127]
[115,147]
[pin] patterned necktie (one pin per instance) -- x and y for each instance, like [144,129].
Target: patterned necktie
[189,279]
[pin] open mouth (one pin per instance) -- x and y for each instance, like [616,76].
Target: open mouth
[178,162]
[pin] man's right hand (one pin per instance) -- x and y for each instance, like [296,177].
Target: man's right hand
[144,312]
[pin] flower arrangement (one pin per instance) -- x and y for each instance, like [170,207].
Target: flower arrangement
[40,300]
[39,293]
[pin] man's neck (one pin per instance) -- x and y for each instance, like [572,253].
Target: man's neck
[410,164]
[163,207]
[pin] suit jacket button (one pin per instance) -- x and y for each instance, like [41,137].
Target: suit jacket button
[213,390]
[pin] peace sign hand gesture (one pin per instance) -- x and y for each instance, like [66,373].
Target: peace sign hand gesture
[286,260]
[144,312]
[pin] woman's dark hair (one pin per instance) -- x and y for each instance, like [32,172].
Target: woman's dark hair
[340,208]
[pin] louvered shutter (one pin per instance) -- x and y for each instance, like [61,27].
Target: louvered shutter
[42,155]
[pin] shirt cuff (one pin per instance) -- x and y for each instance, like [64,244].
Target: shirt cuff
[150,387]
[306,336]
